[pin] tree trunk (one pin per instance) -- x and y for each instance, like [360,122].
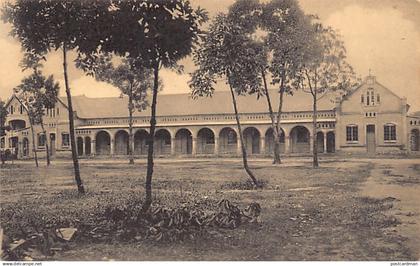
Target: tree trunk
[278,127]
[130,125]
[314,126]
[33,141]
[149,174]
[47,150]
[79,182]
[276,157]
[244,155]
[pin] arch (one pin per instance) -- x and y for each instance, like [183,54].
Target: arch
[103,143]
[140,142]
[330,142]
[162,141]
[79,146]
[300,140]
[320,141]
[205,141]
[414,140]
[25,147]
[16,124]
[269,141]
[121,143]
[252,140]
[183,141]
[88,147]
[228,141]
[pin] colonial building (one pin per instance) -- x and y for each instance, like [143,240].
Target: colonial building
[371,119]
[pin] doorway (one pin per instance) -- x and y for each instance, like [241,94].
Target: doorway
[370,139]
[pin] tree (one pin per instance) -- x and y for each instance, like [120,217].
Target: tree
[228,52]
[45,25]
[287,33]
[3,116]
[132,80]
[3,128]
[37,93]
[155,34]
[324,70]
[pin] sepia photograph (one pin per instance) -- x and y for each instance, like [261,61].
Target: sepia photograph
[217,131]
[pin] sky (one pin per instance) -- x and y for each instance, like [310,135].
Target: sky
[382,36]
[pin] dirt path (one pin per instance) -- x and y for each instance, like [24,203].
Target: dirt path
[399,179]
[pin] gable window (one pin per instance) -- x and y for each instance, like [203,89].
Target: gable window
[11,109]
[352,133]
[65,139]
[390,132]
[370,97]
[41,140]
[21,109]
[378,98]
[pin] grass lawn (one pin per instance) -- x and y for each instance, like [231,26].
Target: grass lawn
[307,214]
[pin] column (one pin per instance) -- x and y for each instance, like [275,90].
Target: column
[173,146]
[238,147]
[92,146]
[194,146]
[262,145]
[216,145]
[20,150]
[132,146]
[112,145]
[286,144]
[83,146]
[311,143]
[325,142]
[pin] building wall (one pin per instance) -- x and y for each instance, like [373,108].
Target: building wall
[390,109]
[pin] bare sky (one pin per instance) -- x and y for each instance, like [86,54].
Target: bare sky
[381,35]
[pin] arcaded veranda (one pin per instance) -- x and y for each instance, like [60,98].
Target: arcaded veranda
[206,140]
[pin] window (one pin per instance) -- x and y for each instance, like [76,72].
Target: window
[378,98]
[352,133]
[231,137]
[21,109]
[65,139]
[11,109]
[210,139]
[58,111]
[41,140]
[2,143]
[370,97]
[362,98]
[390,132]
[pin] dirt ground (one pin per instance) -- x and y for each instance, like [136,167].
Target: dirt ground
[346,210]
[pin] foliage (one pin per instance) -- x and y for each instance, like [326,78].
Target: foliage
[287,34]
[3,115]
[244,185]
[113,217]
[38,93]
[131,79]
[325,67]
[227,52]
[44,25]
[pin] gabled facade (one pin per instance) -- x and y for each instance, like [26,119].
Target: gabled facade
[372,119]
[19,139]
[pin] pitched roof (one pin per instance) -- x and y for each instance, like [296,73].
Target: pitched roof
[183,104]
